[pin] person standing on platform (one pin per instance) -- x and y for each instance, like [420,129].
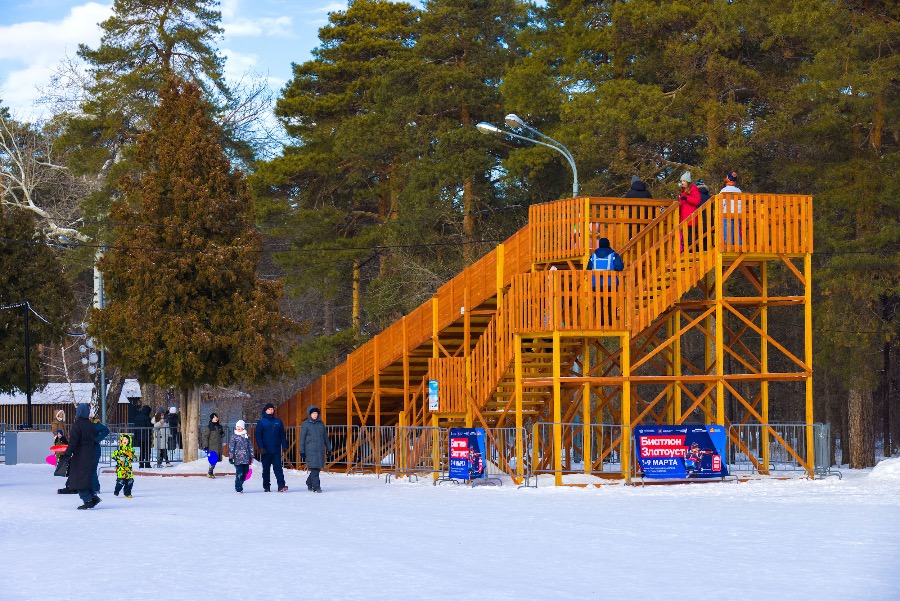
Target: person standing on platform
[270,440]
[731,207]
[605,259]
[315,448]
[688,201]
[638,189]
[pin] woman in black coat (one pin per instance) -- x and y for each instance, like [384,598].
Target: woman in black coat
[81,453]
[315,447]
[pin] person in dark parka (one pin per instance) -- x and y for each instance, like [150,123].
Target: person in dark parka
[81,451]
[270,440]
[638,189]
[143,434]
[100,434]
[212,439]
[315,447]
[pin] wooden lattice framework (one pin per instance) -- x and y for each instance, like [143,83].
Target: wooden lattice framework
[523,335]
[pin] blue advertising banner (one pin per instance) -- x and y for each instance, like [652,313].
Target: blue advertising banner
[686,451]
[466,453]
[433,401]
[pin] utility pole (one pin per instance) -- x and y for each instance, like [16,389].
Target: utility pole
[26,309]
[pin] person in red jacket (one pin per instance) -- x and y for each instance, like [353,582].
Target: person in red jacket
[688,201]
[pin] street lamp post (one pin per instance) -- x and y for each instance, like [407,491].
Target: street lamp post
[514,121]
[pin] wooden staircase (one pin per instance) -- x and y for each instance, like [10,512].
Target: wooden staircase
[531,286]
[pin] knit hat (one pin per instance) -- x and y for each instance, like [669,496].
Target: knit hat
[635,179]
[603,243]
[83,410]
[701,183]
[213,415]
[686,177]
[172,410]
[239,424]
[268,406]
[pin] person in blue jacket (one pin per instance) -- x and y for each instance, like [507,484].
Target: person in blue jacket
[270,440]
[605,259]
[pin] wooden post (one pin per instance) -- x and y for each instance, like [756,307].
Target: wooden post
[519,391]
[557,410]
[586,442]
[720,350]
[764,363]
[626,406]
[808,359]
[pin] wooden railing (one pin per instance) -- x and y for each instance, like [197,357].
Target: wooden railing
[557,227]
[450,372]
[764,223]
[469,289]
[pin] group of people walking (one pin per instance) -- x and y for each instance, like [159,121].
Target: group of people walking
[85,436]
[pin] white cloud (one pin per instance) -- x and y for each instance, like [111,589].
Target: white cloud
[34,48]
[237,24]
[330,8]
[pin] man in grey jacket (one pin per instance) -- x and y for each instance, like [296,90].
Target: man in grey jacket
[315,448]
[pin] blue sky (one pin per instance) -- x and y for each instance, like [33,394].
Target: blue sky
[261,36]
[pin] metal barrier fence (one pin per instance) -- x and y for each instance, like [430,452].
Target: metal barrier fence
[778,449]
[590,449]
[150,449]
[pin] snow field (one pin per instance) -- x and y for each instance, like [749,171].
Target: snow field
[195,538]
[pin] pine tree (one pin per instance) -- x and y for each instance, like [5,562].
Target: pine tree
[143,44]
[339,184]
[185,305]
[29,271]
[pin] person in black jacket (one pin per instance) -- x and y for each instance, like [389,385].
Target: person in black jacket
[270,440]
[315,448]
[143,430]
[81,454]
[638,189]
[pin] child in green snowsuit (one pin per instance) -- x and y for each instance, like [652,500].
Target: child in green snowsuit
[124,456]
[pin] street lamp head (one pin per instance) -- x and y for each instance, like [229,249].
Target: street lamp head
[514,121]
[487,128]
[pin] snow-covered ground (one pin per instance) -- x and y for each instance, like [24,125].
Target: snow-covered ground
[195,538]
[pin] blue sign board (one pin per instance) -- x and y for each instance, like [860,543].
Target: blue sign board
[433,403]
[685,451]
[467,453]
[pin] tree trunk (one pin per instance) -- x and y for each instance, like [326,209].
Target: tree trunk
[862,428]
[355,312]
[148,395]
[116,384]
[190,422]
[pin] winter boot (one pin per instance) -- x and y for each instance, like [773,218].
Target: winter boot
[283,489]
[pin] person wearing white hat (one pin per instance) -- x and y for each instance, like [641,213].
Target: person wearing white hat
[688,201]
[240,454]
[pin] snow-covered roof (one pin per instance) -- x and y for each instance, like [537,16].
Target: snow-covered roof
[68,393]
